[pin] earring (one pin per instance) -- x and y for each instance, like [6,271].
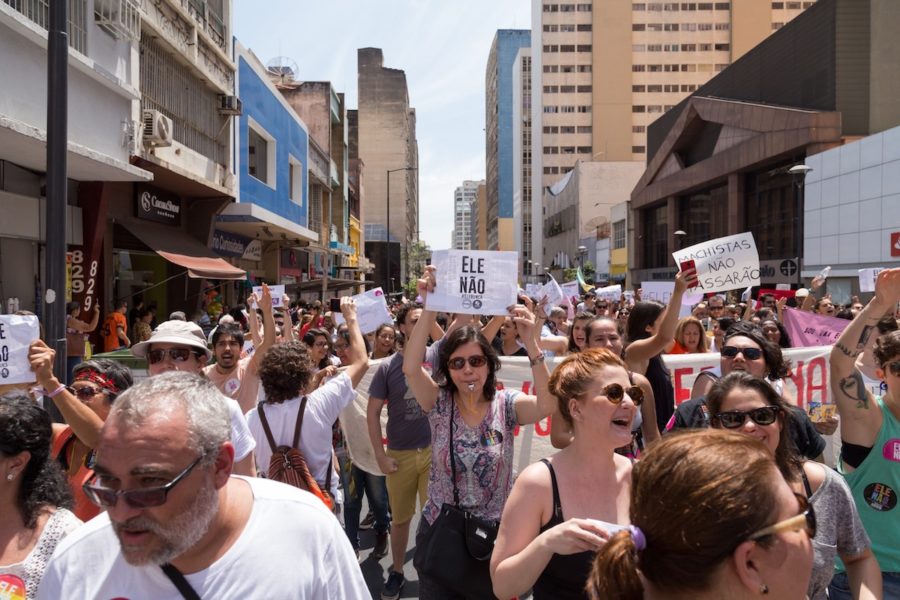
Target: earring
[10,477]
[763,589]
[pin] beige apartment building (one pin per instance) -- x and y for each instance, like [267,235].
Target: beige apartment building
[603,71]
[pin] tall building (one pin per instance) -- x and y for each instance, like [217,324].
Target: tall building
[388,147]
[521,127]
[463,201]
[602,71]
[499,135]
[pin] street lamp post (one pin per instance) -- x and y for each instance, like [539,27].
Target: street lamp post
[799,173]
[389,282]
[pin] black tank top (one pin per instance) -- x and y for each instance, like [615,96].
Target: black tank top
[565,575]
[663,392]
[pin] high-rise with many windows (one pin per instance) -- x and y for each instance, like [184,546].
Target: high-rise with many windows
[463,202]
[603,71]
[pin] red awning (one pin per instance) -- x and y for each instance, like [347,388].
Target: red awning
[177,247]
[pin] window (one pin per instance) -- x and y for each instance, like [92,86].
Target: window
[655,237]
[655,68]
[704,6]
[567,129]
[567,109]
[583,7]
[654,88]
[654,48]
[638,6]
[704,27]
[584,68]
[584,27]
[654,108]
[551,48]
[638,128]
[551,89]
[688,6]
[638,27]
[551,129]
[551,150]
[567,150]
[550,28]
[723,6]
[585,150]
[584,89]
[705,47]
[567,48]
[566,8]
[585,108]
[551,170]
[584,129]
[551,68]
[261,154]
[295,180]
[670,88]
[551,8]
[793,5]
[670,27]
[567,68]
[723,26]
[689,27]
[777,5]
[638,108]
[689,47]
[549,110]
[670,7]
[618,235]
[638,47]
[638,89]
[723,47]
[566,89]
[638,68]
[584,47]
[567,28]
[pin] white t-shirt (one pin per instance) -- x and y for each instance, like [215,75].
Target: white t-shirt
[241,438]
[323,406]
[291,547]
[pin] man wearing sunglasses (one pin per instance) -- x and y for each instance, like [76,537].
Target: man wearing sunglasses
[176,518]
[181,346]
[745,348]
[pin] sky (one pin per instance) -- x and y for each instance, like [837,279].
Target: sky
[443,47]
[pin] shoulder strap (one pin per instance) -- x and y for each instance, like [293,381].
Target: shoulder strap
[557,505]
[299,425]
[265,425]
[187,592]
[806,482]
[452,453]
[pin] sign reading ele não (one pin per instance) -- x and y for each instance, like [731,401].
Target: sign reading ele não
[724,264]
[480,282]
[16,334]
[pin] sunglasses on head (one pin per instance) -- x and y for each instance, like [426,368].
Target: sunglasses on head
[85,392]
[749,353]
[140,498]
[764,415]
[177,354]
[894,368]
[615,393]
[806,521]
[459,362]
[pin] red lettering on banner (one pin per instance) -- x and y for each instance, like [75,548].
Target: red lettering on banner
[526,387]
[543,430]
[516,430]
[682,393]
[816,384]
[796,376]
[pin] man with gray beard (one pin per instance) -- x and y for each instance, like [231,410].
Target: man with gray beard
[176,518]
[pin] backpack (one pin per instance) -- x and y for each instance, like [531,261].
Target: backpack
[288,464]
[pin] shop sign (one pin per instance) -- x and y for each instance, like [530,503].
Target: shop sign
[238,246]
[895,243]
[154,204]
[780,270]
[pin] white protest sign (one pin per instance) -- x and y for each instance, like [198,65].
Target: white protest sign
[867,279]
[532,289]
[277,292]
[724,264]
[16,334]
[371,310]
[476,282]
[661,291]
[570,289]
[553,294]
[610,293]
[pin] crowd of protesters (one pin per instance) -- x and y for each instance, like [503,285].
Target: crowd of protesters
[724,494]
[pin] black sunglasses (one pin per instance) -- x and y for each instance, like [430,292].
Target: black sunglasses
[749,353]
[806,521]
[615,393]
[764,415]
[459,362]
[85,392]
[177,354]
[140,498]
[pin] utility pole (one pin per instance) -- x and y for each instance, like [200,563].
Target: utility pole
[57,141]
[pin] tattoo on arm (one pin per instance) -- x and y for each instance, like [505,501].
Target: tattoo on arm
[864,336]
[846,351]
[854,388]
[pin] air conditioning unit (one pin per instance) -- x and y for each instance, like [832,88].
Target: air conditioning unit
[157,129]
[230,105]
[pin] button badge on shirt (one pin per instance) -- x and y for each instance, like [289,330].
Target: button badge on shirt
[491,437]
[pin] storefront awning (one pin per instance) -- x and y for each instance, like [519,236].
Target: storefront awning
[179,248]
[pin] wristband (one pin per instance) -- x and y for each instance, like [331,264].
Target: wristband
[537,359]
[55,392]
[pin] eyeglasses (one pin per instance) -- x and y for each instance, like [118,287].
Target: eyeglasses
[806,521]
[764,415]
[322,344]
[140,498]
[749,353]
[894,368]
[459,362]
[615,393]
[85,392]
[177,354]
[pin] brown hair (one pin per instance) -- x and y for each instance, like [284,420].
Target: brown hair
[573,376]
[786,456]
[285,371]
[886,347]
[695,496]
[702,346]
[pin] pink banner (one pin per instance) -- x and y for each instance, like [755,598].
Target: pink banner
[810,329]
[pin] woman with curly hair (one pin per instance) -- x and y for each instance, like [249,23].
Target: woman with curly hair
[286,371]
[34,496]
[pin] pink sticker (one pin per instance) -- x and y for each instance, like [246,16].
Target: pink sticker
[891,450]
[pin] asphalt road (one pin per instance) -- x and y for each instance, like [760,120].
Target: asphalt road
[375,571]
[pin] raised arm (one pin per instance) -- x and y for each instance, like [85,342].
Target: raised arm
[860,418]
[531,409]
[490,330]
[419,381]
[86,327]
[265,303]
[253,320]
[356,351]
[640,351]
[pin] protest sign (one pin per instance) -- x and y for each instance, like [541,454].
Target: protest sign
[371,311]
[610,293]
[16,334]
[479,282]
[571,290]
[867,279]
[277,292]
[551,295]
[532,290]
[810,329]
[661,291]
[725,263]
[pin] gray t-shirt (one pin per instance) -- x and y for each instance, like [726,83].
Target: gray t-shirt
[407,425]
[838,530]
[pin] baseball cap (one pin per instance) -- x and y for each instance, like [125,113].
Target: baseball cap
[186,333]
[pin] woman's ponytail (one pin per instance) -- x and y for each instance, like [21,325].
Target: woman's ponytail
[615,570]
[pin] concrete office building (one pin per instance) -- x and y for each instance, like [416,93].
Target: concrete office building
[499,111]
[603,71]
[463,200]
[387,142]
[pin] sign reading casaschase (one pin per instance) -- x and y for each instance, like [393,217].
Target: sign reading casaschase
[154,204]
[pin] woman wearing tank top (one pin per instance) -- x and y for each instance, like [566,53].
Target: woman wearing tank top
[562,510]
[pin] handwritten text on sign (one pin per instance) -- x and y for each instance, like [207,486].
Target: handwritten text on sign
[724,264]
[16,334]
[371,311]
[474,282]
